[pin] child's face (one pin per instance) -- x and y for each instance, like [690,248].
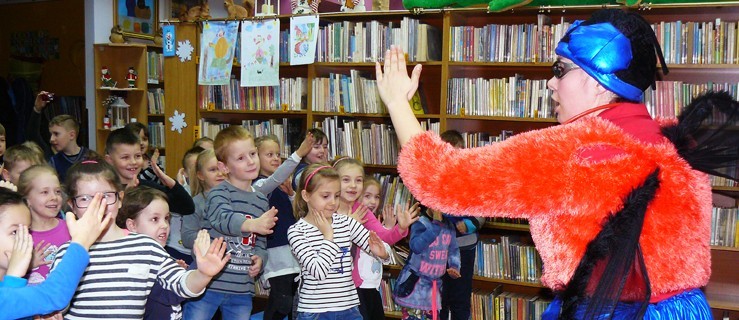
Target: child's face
[45,197]
[127,160]
[14,173]
[10,217]
[153,221]
[190,163]
[318,153]
[269,157]
[325,198]
[352,182]
[242,161]
[144,141]
[60,137]
[210,174]
[2,144]
[371,197]
[87,187]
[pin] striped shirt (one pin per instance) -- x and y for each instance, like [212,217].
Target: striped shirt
[120,276]
[226,208]
[326,266]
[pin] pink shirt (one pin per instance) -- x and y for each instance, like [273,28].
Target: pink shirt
[390,236]
[56,236]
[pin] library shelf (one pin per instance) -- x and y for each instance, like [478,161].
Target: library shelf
[723,302]
[506,226]
[157,115]
[121,89]
[393,315]
[494,118]
[368,115]
[723,248]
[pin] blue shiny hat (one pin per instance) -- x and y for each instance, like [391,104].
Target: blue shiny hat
[601,50]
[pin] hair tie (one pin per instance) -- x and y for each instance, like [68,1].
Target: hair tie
[339,160]
[89,162]
[307,180]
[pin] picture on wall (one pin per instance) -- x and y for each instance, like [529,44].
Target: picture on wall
[137,18]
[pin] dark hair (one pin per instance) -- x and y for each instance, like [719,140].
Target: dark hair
[121,136]
[317,176]
[9,198]
[136,127]
[318,135]
[453,137]
[135,201]
[92,169]
[194,151]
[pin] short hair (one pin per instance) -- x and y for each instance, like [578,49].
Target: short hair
[226,137]
[270,137]
[2,130]
[9,198]
[121,136]
[25,181]
[136,127]
[91,169]
[318,135]
[318,173]
[66,121]
[27,151]
[453,137]
[200,141]
[194,151]
[135,201]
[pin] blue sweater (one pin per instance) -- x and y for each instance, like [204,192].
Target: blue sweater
[49,296]
[285,218]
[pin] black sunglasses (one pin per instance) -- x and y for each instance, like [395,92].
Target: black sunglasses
[560,69]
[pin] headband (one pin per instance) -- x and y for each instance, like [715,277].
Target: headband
[89,162]
[339,160]
[307,180]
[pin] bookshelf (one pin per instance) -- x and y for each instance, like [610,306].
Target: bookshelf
[534,67]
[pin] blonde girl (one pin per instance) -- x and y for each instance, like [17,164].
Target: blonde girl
[207,175]
[42,192]
[321,240]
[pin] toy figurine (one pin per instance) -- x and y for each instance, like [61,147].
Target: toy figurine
[131,77]
[107,80]
[304,6]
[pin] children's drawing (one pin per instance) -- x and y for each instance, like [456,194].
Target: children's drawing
[260,56]
[217,45]
[303,35]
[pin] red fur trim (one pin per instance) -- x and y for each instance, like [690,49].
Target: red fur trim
[543,176]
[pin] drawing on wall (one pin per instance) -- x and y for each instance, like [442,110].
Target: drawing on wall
[303,35]
[137,18]
[217,45]
[260,56]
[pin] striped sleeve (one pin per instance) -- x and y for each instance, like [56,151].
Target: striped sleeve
[314,261]
[359,234]
[221,214]
[172,277]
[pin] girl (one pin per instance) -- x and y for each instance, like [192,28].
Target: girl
[207,176]
[40,188]
[123,268]
[321,240]
[351,174]
[319,153]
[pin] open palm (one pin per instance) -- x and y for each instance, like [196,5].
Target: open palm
[212,261]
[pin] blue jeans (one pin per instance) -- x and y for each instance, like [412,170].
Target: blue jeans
[233,306]
[348,314]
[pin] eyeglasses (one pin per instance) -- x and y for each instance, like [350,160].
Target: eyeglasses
[340,269]
[560,69]
[84,201]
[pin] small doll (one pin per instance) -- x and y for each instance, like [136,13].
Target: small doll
[131,77]
[304,6]
[433,247]
[107,80]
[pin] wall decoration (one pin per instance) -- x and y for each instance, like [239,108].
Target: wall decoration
[303,35]
[260,56]
[168,41]
[184,50]
[178,121]
[217,44]
[137,18]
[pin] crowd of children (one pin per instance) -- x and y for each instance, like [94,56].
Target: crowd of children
[188,248]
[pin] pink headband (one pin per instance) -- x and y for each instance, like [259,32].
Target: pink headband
[307,180]
[90,162]
[339,160]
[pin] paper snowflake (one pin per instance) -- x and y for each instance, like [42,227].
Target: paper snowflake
[178,121]
[184,50]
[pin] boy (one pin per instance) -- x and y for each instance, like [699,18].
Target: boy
[20,157]
[64,129]
[236,212]
[123,152]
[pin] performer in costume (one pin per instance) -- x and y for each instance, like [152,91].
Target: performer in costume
[617,205]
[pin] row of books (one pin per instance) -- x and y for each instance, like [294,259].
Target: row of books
[725,227]
[155,101]
[156,134]
[351,93]
[508,259]
[291,95]
[505,97]
[392,192]
[155,67]
[710,42]
[288,131]
[670,97]
[481,139]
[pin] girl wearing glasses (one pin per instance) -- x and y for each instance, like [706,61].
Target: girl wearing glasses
[619,233]
[124,267]
[321,240]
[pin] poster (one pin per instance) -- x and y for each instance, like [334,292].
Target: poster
[260,55]
[217,44]
[168,41]
[303,35]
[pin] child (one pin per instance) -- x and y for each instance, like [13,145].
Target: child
[42,192]
[319,153]
[351,174]
[321,241]
[207,176]
[371,194]
[2,145]
[124,267]
[237,212]
[188,167]
[20,157]
[16,247]
[433,248]
[281,269]
[204,142]
[145,211]
[147,171]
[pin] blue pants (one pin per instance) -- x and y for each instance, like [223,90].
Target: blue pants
[348,314]
[233,306]
[689,305]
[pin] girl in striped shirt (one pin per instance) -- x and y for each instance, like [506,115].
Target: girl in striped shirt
[321,240]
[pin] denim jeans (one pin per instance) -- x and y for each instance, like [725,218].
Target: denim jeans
[348,314]
[233,306]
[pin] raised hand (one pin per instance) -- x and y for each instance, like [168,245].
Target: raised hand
[454,273]
[256,266]
[264,224]
[181,174]
[388,216]
[87,229]
[287,186]
[324,225]
[395,86]
[211,261]
[408,216]
[39,104]
[306,145]
[20,258]
[166,180]
[359,214]
[377,246]
[39,254]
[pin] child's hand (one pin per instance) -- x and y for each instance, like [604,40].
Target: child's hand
[306,145]
[40,254]
[264,224]
[461,227]
[39,104]
[388,216]
[212,261]
[163,177]
[134,183]
[326,227]
[86,230]
[20,258]
[182,263]
[181,174]
[52,316]
[454,273]
[287,186]
[7,184]
[393,82]
[408,216]
[256,266]
[359,214]
[377,246]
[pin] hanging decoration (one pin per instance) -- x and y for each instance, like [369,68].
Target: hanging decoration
[217,44]
[168,41]
[303,35]
[178,121]
[260,56]
[184,50]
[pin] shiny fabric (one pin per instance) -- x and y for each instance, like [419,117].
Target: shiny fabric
[601,50]
[689,305]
